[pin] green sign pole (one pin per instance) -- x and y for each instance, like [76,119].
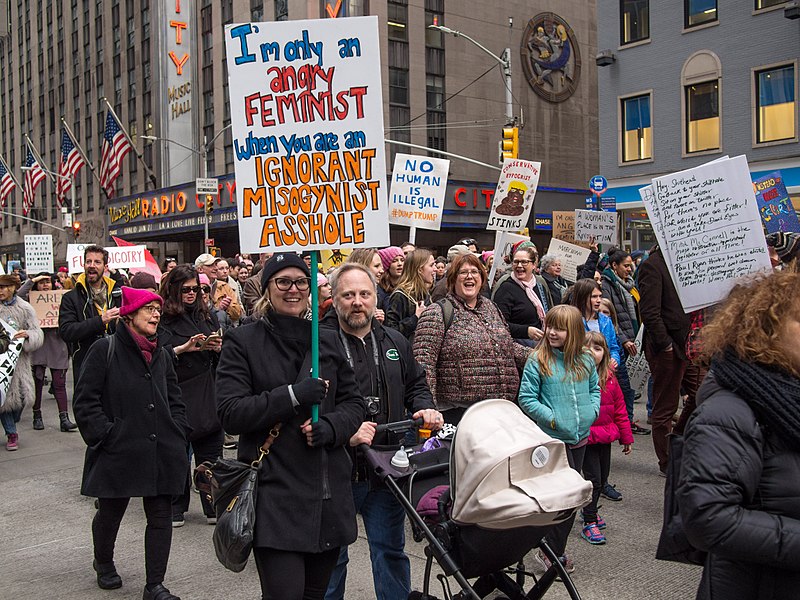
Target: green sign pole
[314,327]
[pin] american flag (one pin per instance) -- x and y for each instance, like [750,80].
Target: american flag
[33,177]
[7,183]
[71,163]
[115,147]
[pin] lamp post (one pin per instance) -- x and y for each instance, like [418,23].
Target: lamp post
[202,153]
[71,194]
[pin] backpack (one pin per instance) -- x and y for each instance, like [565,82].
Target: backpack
[447,312]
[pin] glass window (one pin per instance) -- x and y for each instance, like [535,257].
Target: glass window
[635,21]
[396,20]
[768,3]
[776,106]
[697,12]
[637,130]
[702,116]
[398,87]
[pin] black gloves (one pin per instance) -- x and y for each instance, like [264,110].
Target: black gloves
[309,391]
[321,434]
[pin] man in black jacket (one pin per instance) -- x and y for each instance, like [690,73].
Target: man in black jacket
[393,384]
[90,310]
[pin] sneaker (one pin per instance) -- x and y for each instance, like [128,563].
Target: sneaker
[638,430]
[177,520]
[601,522]
[592,534]
[230,443]
[609,491]
[211,520]
[543,560]
[569,566]
[12,443]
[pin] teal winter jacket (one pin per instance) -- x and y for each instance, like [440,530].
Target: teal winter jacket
[563,407]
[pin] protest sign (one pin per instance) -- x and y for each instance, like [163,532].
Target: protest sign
[8,360]
[416,198]
[602,226]
[307,122]
[564,225]
[711,229]
[571,257]
[503,242]
[638,368]
[125,257]
[513,199]
[47,305]
[774,204]
[333,258]
[39,253]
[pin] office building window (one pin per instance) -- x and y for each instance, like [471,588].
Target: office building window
[398,86]
[768,3]
[397,19]
[702,116]
[699,12]
[776,104]
[637,130]
[634,21]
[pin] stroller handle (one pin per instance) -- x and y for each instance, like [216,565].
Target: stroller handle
[400,426]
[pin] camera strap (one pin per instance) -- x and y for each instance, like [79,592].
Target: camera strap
[374,357]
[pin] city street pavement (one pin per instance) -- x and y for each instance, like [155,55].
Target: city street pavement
[48,550]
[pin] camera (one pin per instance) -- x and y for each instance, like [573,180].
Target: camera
[372,404]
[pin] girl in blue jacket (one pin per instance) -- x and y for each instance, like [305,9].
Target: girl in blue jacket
[560,392]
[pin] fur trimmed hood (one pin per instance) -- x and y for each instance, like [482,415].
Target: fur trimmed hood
[22,388]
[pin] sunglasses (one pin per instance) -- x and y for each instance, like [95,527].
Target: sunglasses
[284,284]
[190,289]
[206,289]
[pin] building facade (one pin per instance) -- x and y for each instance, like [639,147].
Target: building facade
[163,70]
[683,83]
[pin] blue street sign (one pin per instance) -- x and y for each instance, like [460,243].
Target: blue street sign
[598,184]
[608,204]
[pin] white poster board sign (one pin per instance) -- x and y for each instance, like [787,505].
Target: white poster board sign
[571,257]
[597,224]
[513,199]
[119,257]
[711,227]
[416,198]
[39,253]
[638,367]
[8,360]
[307,123]
[503,242]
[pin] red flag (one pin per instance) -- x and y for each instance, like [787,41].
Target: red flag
[150,264]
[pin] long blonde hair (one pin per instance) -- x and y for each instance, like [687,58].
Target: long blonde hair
[569,319]
[411,282]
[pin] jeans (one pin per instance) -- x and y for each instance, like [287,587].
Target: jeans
[384,521]
[649,396]
[9,420]
[625,384]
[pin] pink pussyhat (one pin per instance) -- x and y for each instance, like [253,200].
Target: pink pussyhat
[133,299]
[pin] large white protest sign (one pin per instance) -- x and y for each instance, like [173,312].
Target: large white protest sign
[597,224]
[711,228]
[513,199]
[39,253]
[123,257]
[8,360]
[571,257]
[417,195]
[503,242]
[307,122]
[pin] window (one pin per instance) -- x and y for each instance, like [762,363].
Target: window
[702,116]
[634,21]
[398,87]
[637,130]
[396,20]
[699,12]
[776,106]
[768,3]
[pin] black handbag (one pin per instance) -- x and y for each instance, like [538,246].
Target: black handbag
[232,487]
[673,545]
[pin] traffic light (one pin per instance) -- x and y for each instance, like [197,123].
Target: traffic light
[209,204]
[510,143]
[76,229]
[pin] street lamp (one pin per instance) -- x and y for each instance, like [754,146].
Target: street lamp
[203,153]
[71,190]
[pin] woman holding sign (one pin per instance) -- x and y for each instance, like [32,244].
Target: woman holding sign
[305,511]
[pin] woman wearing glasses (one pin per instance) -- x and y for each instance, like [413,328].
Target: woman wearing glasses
[305,510]
[190,329]
[464,345]
[524,298]
[129,411]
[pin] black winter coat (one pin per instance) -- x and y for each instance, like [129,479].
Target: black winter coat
[401,313]
[133,421]
[78,322]
[666,324]
[305,501]
[518,310]
[739,498]
[625,329]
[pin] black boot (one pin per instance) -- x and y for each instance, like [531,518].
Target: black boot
[107,576]
[38,424]
[66,424]
[157,591]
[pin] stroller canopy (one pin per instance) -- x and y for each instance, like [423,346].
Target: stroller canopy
[505,472]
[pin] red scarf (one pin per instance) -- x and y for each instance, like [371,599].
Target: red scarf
[146,346]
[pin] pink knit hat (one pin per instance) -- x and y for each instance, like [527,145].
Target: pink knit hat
[133,299]
[321,280]
[203,279]
[388,255]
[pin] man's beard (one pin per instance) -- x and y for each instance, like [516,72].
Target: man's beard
[357,320]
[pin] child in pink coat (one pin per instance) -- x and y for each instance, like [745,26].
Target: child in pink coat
[612,425]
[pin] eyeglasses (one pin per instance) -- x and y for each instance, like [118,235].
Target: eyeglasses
[521,263]
[190,289]
[284,284]
[152,309]
[471,273]
[206,289]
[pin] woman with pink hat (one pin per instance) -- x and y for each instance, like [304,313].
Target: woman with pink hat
[393,261]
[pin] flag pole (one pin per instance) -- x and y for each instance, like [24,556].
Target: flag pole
[83,155]
[8,170]
[135,149]
[38,157]
[314,327]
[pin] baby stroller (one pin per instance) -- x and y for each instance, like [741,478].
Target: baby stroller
[509,483]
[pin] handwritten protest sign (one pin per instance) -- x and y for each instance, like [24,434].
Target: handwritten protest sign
[417,195]
[47,306]
[333,258]
[307,121]
[513,199]
[564,225]
[125,257]
[571,257]
[638,367]
[711,229]
[8,360]
[774,204]
[600,225]
[39,253]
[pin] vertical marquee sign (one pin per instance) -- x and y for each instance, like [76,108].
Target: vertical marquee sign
[307,120]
